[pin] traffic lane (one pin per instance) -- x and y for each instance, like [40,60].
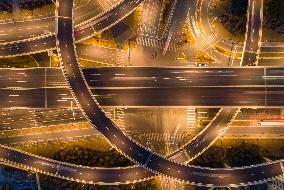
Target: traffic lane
[106,20]
[27,47]
[105,175]
[272,49]
[22,78]
[15,31]
[86,11]
[216,177]
[72,171]
[255,131]
[141,77]
[19,30]
[36,45]
[223,96]
[204,139]
[275,96]
[36,98]
[249,58]
[250,25]
[99,77]
[253,33]
[98,117]
[31,78]
[55,78]
[116,14]
[273,61]
[63,11]
[256,24]
[33,98]
[81,34]
[59,97]
[274,76]
[212,132]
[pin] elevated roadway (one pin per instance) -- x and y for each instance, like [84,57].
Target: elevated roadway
[17,30]
[147,86]
[84,30]
[135,152]
[147,157]
[117,175]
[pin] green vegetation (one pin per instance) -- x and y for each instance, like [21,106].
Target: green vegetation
[133,19]
[274,16]
[213,157]
[243,154]
[227,53]
[234,16]
[203,123]
[240,152]
[54,61]
[203,57]
[28,11]
[185,37]
[18,62]
[165,14]
[104,39]
[166,11]
[48,182]
[94,152]
[240,123]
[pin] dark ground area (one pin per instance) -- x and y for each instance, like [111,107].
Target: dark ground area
[274,16]
[6,5]
[234,19]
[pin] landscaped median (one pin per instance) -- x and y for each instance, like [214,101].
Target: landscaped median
[227,53]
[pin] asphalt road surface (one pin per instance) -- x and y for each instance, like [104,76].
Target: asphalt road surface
[147,86]
[253,33]
[140,155]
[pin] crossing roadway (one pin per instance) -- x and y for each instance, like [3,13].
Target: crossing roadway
[137,153]
[253,33]
[147,86]
[86,29]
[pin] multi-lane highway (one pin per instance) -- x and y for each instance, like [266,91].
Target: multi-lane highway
[147,86]
[17,30]
[29,28]
[86,29]
[140,155]
[125,145]
[224,116]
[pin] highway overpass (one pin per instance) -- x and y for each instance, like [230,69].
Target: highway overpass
[148,86]
[123,143]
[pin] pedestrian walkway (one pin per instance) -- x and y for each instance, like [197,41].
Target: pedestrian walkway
[167,137]
[120,118]
[156,43]
[190,119]
[121,58]
[207,42]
